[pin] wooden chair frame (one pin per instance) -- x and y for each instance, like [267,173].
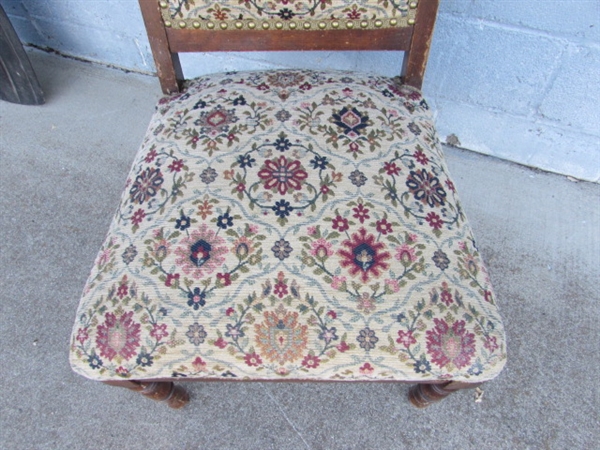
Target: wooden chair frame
[168,42]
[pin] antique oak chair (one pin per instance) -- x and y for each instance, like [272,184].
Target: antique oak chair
[289,224]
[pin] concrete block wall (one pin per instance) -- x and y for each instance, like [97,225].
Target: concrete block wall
[515,79]
[521,80]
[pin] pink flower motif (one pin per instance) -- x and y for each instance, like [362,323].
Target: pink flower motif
[462,245]
[103,257]
[434,221]
[491,343]
[366,369]
[221,343]
[229,311]
[252,359]
[176,165]
[337,282]
[199,365]
[171,278]
[366,303]
[340,223]
[201,253]
[447,344]
[332,314]
[391,168]
[321,248]
[363,256]
[405,253]
[450,185]
[311,230]
[122,291]
[282,174]
[446,297]
[138,217]
[311,362]
[253,229]
[488,296]
[118,336]
[421,157]
[383,226]
[159,331]
[82,335]
[393,285]
[150,156]
[412,237]
[280,289]
[406,338]
[122,371]
[342,347]
[361,213]
[224,278]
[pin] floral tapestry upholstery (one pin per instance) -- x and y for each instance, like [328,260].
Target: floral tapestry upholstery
[290,225]
[288,14]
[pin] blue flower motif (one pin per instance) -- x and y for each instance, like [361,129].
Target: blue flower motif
[145,359]
[245,161]
[239,101]
[183,223]
[225,221]
[282,143]
[367,339]
[196,299]
[422,365]
[234,332]
[282,208]
[94,362]
[328,335]
[319,162]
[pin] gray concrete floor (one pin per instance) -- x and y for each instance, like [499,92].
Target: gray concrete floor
[62,168]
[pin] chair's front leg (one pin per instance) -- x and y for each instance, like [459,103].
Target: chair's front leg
[162,391]
[423,395]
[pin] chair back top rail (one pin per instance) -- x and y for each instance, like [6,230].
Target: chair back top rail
[176,26]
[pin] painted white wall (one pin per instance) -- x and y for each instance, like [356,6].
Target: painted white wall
[516,79]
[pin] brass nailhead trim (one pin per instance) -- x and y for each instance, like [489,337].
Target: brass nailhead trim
[292,25]
[411,21]
[163,5]
[322,25]
[335,24]
[196,24]
[265,25]
[393,22]
[279,25]
[412,5]
[364,24]
[349,24]
[378,23]
[182,24]
[168,24]
[239,25]
[306,25]
[251,25]
[223,26]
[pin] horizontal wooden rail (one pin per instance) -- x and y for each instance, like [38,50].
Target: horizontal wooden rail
[188,40]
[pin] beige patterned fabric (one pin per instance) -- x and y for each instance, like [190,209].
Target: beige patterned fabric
[290,225]
[288,14]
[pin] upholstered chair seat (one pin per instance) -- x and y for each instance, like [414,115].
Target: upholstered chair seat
[297,225]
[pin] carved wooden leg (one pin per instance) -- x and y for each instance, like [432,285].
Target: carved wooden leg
[162,391]
[423,395]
